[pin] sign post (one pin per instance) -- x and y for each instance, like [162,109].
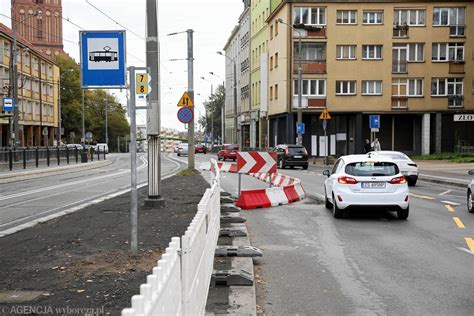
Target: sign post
[325,117]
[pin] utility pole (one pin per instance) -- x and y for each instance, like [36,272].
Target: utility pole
[235,104]
[83,139]
[153,113]
[106,121]
[191,95]
[58,137]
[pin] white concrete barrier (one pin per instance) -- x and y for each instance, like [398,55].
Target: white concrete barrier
[180,282]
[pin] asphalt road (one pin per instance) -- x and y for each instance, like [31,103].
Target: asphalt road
[25,201]
[368,263]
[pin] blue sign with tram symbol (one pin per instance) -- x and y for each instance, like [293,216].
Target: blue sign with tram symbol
[7,104]
[300,128]
[185,115]
[103,59]
[374,121]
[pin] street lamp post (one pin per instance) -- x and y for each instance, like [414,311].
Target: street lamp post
[300,81]
[222,108]
[235,138]
[14,82]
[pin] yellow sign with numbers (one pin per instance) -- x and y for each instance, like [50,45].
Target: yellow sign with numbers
[141,84]
[185,100]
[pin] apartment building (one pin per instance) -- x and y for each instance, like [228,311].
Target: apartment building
[38,88]
[260,10]
[232,87]
[411,62]
[244,73]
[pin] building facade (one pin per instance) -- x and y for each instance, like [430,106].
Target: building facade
[38,92]
[243,66]
[260,10]
[45,30]
[232,87]
[411,62]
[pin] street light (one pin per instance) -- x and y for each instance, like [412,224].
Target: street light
[222,107]
[300,85]
[235,94]
[15,130]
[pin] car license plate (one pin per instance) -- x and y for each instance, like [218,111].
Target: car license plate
[232,152]
[298,157]
[373,185]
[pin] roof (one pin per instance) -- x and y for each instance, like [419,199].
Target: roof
[24,42]
[232,35]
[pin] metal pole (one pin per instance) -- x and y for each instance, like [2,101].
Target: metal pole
[212,120]
[106,122]
[235,138]
[223,117]
[59,113]
[14,85]
[133,155]
[118,144]
[83,123]
[300,91]
[191,95]
[153,114]
[240,184]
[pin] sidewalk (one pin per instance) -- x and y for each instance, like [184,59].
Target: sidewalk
[83,259]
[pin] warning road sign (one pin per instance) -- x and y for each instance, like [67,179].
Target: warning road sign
[185,100]
[325,115]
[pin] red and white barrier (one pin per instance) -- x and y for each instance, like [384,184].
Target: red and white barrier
[223,166]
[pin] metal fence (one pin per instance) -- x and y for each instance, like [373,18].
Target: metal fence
[180,282]
[36,157]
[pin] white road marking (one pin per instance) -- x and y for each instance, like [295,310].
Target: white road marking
[445,192]
[451,203]
[465,250]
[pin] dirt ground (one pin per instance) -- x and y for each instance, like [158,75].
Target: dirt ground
[82,259]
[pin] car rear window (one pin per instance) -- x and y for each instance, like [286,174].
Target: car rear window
[232,147]
[372,169]
[296,150]
[395,156]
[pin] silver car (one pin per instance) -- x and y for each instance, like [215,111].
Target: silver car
[470,193]
[183,149]
[407,166]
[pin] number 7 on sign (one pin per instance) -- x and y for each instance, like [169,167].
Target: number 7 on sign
[185,100]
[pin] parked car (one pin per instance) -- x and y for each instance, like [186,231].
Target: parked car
[175,148]
[470,193]
[88,146]
[200,148]
[183,149]
[73,146]
[366,180]
[407,166]
[291,156]
[101,147]
[228,151]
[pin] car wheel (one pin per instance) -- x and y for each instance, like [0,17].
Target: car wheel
[179,155]
[326,200]
[411,183]
[403,214]
[470,202]
[281,165]
[336,211]
[305,167]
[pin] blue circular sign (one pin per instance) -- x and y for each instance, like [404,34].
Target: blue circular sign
[185,115]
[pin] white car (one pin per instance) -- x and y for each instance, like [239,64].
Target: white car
[101,147]
[470,193]
[183,149]
[407,166]
[366,180]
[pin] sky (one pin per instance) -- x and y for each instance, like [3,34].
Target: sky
[211,20]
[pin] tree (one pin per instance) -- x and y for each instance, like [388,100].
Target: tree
[214,107]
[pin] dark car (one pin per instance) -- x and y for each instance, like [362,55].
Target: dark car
[291,156]
[200,148]
[228,151]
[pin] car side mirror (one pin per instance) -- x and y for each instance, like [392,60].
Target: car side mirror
[471,172]
[326,173]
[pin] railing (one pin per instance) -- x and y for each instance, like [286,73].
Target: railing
[309,31]
[180,282]
[456,67]
[399,66]
[457,30]
[455,101]
[399,102]
[311,66]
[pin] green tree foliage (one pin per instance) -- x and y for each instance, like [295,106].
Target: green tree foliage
[214,108]
[94,104]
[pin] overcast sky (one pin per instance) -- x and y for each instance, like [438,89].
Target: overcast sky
[212,21]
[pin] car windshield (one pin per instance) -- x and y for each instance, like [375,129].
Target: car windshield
[372,169]
[296,150]
[394,156]
[232,147]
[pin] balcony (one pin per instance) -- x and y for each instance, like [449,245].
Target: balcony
[399,66]
[455,101]
[456,67]
[311,66]
[311,31]
[456,30]
[400,31]
[399,102]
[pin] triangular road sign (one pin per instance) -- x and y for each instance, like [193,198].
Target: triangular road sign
[185,100]
[325,115]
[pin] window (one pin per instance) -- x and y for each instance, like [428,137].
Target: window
[371,87]
[448,16]
[412,17]
[271,62]
[276,60]
[310,51]
[373,17]
[346,17]
[416,52]
[311,87]
[345,87]
[271,93]
[371,51]
[446,86]
[276,92]
[448,52]
[346,51]
[271,32]
[309,15]
[276,28]
[407,87]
